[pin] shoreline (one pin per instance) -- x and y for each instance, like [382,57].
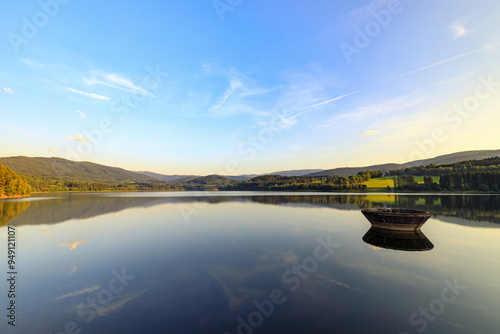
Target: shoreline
[14,196]
[277,191]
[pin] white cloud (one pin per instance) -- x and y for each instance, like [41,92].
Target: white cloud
[55,149]
[79,137]
[116,81]
[7,90]
[120,81]
[73,270]
[458,29]
[82,115]
[95,96]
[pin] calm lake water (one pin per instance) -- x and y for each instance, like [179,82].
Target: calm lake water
[249,263]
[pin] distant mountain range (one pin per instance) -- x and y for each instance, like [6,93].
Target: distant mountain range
[170,178]
[241,178]
[187,178]
[58,168]
[297,172]
[440,160]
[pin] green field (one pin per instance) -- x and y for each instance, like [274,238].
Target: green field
[420,179]
[381,183]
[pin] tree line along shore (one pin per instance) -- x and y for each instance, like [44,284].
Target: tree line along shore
[466,176]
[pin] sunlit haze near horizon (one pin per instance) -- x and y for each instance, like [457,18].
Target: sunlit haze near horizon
[180,87]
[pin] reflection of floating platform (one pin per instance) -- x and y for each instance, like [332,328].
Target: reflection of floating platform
[396,219]
[398,240]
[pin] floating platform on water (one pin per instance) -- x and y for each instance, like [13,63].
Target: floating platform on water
[396,219]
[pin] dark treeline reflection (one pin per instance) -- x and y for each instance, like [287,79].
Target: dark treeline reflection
[469,207]
[9,210]
[52,210]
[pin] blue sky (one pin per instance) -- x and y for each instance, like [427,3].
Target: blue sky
[233,87]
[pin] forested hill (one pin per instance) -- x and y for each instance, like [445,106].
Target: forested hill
[440,160]
[215,180]
[56,174]
[11,184]
[474,175]
[62,169]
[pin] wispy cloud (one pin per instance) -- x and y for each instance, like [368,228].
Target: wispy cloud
[371,132]
[72,245]
[92,95]
[73,270]
[234,85]
[458,29]
[359,15]
[82,115]
[55,149]
[322,103]
[235,97]
[288,119]
[33,63]
[79,137]
[299,92]
[7,90]
[284,122]
[116,81]
[441,62]
[302,92]
[374,110]
[455,79]
[79,292]
[402,128]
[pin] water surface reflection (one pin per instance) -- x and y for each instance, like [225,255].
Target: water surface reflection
[479,210]
[207,276]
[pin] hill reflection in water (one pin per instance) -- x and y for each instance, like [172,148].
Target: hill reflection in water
[200,277]
[11,209]
[472,210]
